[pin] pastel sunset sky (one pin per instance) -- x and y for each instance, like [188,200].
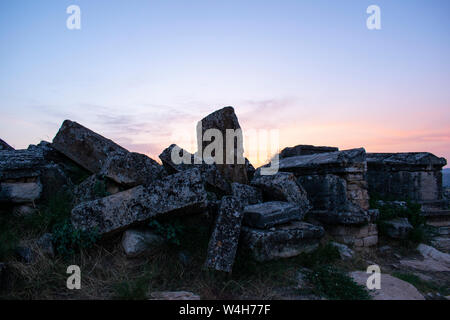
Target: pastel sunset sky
[143,72]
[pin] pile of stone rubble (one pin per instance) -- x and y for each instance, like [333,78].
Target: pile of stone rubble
[317,190]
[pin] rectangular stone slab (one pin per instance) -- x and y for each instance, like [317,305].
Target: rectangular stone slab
[281,242]
[268,214]
[82,145]
[225,237]
[179,193]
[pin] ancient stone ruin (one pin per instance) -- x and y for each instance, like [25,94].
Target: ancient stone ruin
[317,191]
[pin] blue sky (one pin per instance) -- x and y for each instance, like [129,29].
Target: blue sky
[139,70]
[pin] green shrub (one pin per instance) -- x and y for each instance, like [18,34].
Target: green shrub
[412,212]
[68,240]
[334,284]
[169,231]
[56,210]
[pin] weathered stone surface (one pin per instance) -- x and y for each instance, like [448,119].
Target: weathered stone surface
[268,214]
[398,228]
[433,260]
[93,188]
[210,172]
[138,242]
[39,164]
[245,194]
[391,288]
[335,184]
[46,244]
[174,295]
[183,192]
[18,164]
[282,186]
[5,146]
[344,251]
[87,148]
[303,149]
[225,237]
[346,161]
[222,120]
[24,210]
[356,235]
[20,192]
[132,169]
[416,175]
[283,241]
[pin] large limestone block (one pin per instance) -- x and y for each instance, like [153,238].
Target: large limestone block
[268,214]
[223,120]
[82,145]
[132,169]
[283,241]
[179,193]
[20,192]
[225,237]
[303,149]
[282,186]
[172,156]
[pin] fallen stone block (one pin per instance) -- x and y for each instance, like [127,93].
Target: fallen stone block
[19,164]
[246,195]
[5,146]
[398,228]
[24,210]
[132,169]
[223,120]
[20,192]
[225,237]
[93,188]
[283,241]
[268,214]
[392,288]
[180,193]
[139,242]
[344,251]
[303,149]
[210,172]
[87,148]
[282,186]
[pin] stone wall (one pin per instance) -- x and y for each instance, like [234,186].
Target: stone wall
[402,176]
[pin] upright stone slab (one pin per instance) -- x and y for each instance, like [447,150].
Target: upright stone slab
[268,214]
[282,186]
[82,145]
[283,241]
[225,237]
[181,193]
[222,120]
[304,149]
